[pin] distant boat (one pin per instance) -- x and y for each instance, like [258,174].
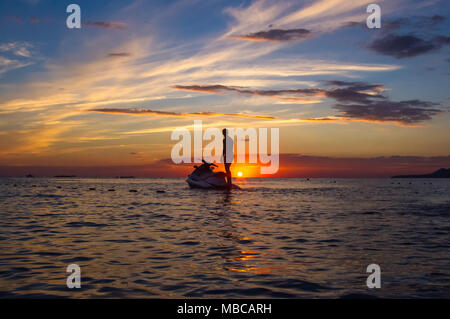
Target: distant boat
[65,176]
[125,177]
[29,176]
[440,173]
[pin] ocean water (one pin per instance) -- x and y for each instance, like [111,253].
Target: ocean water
[275,238]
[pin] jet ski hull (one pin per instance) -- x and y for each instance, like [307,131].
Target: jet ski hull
[205,185]
[199,184]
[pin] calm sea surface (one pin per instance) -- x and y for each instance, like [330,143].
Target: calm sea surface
[275,238]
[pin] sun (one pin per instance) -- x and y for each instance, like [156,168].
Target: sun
[239,174]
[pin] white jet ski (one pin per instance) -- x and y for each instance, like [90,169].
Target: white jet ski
[204,176]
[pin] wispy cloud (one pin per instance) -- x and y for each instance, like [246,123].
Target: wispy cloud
[253,22]
[276,35]
[21,49]
[18,55]
[150,112]
[117,25]
[7,65]
[14,18]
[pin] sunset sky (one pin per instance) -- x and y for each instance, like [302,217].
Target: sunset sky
[103,100]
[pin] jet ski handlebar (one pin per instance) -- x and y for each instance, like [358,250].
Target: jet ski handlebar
[209,164]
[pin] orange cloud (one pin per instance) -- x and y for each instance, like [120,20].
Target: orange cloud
[149,112]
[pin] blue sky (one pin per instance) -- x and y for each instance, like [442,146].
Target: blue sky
[332,86]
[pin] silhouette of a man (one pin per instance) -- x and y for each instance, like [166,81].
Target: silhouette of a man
[228,155]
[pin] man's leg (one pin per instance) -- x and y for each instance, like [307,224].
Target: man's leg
[228,171]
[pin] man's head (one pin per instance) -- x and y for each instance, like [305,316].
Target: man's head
[224,132]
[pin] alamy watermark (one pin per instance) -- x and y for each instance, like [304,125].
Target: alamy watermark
[74,279]
[374,279]
[257,140]
[73,21]
[373,21]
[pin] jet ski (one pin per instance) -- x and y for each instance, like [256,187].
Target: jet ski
[204,176]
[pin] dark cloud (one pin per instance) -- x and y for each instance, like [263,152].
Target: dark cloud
[360,92]
[204,88]
[355,101]
[442,40]
[359,86]
[364,101]
[106,24]
[351,95]
[346,91]
[403,46]
[403,112]
[223,88]
[390,25]
[420,22]
[351,24]
[436,19]
[276,35]
[410,44]
[119,55]
[137,154]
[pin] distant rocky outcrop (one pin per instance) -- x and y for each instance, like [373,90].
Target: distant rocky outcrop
[440,173]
